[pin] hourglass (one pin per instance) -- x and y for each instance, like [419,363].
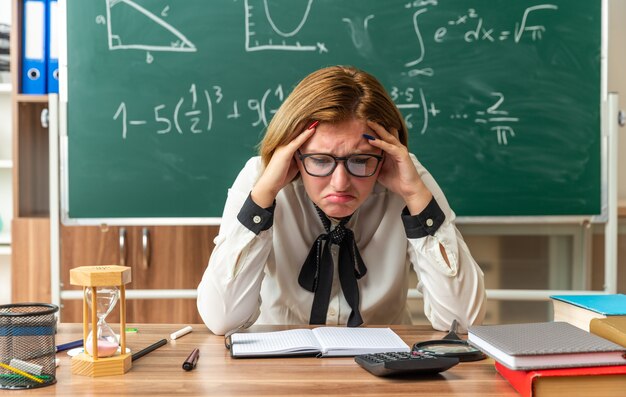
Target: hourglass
[102,286]
[107,340]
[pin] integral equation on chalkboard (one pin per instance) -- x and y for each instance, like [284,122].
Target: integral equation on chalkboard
[196,110]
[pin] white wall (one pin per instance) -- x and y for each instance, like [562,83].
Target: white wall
[617,77]
[5,153]
[5,11]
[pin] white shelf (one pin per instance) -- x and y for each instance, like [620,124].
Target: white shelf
[8,164]
[6,88]
[5,243]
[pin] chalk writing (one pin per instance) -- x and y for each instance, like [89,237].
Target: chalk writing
[477,30]
[473,30]
[172,38]
[359,33]
[259,38]
[193,115]
[195,111]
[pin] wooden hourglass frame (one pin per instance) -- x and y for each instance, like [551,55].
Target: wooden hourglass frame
[92,277]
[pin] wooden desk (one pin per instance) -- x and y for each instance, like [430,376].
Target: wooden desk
[159,373]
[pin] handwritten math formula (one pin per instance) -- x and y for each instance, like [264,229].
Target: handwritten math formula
[203,106]
[195,111]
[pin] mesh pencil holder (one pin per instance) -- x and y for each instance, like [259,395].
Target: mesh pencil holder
[27,348]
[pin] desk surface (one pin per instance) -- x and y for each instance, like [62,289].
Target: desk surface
[159,373]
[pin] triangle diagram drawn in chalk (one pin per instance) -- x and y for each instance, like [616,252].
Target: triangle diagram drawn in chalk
[130,26]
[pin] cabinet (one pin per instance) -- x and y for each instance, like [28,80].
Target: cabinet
[30,243]
[174,258]
[161,257]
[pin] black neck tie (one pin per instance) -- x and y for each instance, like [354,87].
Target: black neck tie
[316,274]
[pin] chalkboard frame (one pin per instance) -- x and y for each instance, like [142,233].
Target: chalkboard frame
[64,191]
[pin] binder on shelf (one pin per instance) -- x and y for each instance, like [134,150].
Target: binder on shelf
[34,48]
[52,35]
[5,49]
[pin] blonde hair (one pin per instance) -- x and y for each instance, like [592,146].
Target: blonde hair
[332,94]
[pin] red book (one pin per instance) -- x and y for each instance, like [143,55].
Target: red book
[606,381]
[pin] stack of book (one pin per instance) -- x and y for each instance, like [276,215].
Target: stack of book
[5,50]
[611,328]
[580,310]
[553,359]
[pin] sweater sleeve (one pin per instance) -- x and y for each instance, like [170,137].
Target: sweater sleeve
[229,293]
[453,290]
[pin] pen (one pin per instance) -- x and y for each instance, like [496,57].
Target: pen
[69,345]
[190,362]
[148,349]
[20,372]
[31,368]
[181,332]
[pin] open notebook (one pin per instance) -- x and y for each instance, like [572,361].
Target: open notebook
[322,341]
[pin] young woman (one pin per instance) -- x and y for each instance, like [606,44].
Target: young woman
[327,225]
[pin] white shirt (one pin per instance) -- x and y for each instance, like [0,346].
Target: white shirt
[253,278]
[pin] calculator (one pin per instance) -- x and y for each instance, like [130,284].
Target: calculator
[405,363]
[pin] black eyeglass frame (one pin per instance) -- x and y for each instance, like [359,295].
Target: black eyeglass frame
[378,158]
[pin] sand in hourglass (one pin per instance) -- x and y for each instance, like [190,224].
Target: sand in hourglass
[107,341]
[105,347]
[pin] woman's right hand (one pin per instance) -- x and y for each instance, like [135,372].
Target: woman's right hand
[281,170]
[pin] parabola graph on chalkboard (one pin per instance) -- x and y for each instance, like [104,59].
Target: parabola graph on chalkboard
[165,101]
[264,33]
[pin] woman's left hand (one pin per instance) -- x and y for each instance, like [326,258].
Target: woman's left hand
[398,172]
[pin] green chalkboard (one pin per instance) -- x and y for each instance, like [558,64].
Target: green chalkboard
[166,100]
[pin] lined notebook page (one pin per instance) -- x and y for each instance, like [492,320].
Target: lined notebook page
[260,343]
[351,341]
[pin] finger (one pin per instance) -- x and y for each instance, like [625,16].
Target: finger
[394,149]
[382,132]
[303,136]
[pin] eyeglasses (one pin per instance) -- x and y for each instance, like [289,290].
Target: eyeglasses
[322,164]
